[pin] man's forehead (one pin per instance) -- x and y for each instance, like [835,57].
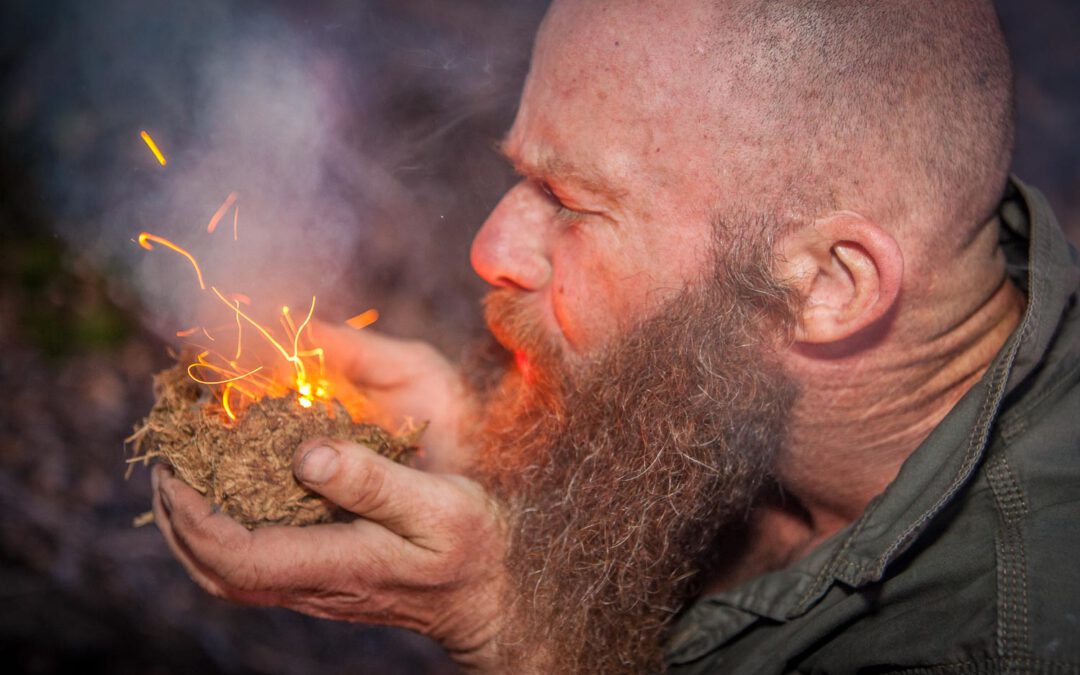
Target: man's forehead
[625,97]
[538,160]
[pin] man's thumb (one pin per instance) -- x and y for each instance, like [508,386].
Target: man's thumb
[363,482]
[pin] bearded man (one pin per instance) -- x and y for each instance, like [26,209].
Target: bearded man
[792,380]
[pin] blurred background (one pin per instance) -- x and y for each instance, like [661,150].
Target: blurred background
[359,137]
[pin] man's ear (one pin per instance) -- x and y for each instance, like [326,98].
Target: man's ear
[847,270]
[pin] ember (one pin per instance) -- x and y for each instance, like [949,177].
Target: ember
[229,422]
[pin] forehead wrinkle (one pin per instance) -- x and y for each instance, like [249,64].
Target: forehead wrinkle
[549,166]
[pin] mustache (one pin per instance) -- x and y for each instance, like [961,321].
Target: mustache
[512,321]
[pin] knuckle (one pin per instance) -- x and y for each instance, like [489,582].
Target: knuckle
[240,575]
[366,489]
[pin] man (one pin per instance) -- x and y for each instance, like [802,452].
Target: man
[794,371]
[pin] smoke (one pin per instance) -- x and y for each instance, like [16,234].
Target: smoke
[356,137]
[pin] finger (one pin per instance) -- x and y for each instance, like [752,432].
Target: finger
[365,357]
[410,503]
[270,565]
[163,520]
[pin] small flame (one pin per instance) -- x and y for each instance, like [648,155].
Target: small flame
[153,147]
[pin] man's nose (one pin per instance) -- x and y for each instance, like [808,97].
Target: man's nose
[512,248]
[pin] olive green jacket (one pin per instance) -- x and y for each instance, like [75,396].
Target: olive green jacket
[969,562]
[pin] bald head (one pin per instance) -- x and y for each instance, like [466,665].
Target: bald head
[899,109]
[902,107]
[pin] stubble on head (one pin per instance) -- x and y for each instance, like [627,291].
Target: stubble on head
[621,472]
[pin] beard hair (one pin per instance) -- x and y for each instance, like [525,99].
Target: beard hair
[620,474]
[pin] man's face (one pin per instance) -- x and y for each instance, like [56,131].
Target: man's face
[646,409]
[613,214]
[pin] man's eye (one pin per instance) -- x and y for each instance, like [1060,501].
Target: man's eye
[562,211]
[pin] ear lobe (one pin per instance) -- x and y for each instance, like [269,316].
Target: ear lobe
[848,270]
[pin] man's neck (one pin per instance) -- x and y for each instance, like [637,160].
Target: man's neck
[857,421]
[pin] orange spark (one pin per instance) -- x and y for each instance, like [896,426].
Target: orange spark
[208,335]
[265,333]
[220,213]
[226,380]
[225,401]
[185,333]
[235,221]
[307,320]
[239,334]
[363,319]
[286,320]
[145,238]
[153,147]
[239,297]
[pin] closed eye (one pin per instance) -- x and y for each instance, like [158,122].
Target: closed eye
[562,211]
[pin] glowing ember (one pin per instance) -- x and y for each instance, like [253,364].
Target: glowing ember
[153,147]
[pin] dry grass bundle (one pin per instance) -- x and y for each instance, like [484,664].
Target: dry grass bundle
[245,467]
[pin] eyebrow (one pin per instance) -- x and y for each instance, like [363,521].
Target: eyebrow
[550,166]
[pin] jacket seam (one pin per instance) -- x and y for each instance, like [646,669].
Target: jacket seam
[1013,641]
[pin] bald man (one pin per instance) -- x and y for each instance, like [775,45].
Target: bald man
[791,371]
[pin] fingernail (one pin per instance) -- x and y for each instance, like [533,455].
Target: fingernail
[318,465]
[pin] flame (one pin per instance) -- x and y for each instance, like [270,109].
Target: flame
[145,238]
[153,147]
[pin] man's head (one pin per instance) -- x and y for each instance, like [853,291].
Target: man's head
[704,185]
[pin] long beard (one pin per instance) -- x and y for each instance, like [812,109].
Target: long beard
[621,474]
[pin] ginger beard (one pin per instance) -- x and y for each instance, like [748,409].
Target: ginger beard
[621,472]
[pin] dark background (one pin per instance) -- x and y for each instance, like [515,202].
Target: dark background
[434,87]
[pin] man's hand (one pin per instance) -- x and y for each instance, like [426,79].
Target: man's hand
[405,379]
[425,552]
